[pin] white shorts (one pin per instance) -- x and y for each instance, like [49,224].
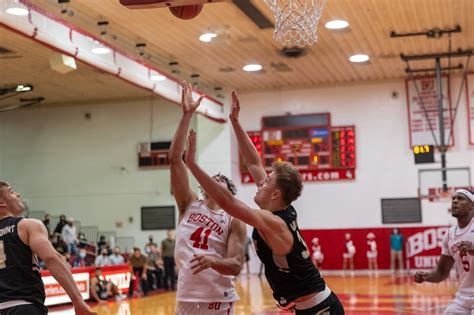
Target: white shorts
[456,308]
[348,255]
[371,254]
[205,308]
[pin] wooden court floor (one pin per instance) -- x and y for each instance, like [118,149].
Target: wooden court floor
[381,295]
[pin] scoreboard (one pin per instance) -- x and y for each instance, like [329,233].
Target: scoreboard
[319,151]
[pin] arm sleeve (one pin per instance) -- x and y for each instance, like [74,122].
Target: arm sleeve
[445,245]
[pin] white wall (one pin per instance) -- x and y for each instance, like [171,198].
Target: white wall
[64,163]
[385,166]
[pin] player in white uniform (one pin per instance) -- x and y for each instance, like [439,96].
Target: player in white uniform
[372,252]
[209,243]
[348,255]
[458,251]
[318,255]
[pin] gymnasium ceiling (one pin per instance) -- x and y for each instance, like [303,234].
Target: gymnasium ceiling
[240,41]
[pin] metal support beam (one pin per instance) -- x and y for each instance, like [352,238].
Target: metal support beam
[458,67]
[459,53]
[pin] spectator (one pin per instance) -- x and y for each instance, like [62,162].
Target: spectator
[138,266]
[102,289]
[59,227]
[116,258]
[82,240]
[47,224]
[318,255]
[70,236]
[396,249]
[103,259]
[149,244]
[154,270]
[80,260]
[101,244]
[167,250]
[59,244]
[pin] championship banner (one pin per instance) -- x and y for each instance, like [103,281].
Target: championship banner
[470,105]
[423,110]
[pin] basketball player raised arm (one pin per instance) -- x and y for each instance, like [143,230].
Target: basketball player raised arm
[179,176]
[231,265]
[272,227]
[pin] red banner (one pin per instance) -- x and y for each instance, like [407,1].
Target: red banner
[421,250]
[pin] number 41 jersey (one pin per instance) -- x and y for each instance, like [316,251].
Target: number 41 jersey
[464,264]
[205,232]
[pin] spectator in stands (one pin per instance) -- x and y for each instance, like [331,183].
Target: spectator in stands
[80,260]
[82,240]
[102,289]
[116,258]
[101,244]
[103,258]
[154,269]
[149,244]
[167,250]
[59,244]
[59,227]
[138,265]
[69,235]
[248,242]
[396,249]
[47,224]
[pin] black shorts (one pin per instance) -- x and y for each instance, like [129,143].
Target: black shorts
[27,309]
[331,306]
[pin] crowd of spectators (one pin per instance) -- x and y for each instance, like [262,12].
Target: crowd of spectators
[151,270]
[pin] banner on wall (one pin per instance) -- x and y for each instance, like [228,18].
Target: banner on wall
[422,108]
[422,246]
[470,105]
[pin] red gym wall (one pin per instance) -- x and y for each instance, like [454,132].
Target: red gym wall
[422,245]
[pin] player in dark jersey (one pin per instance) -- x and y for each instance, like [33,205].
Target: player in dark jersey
[21,288]
[294,279]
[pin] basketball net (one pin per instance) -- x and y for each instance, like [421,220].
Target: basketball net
[296,21]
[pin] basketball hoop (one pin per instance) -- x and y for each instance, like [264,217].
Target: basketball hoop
[296,21]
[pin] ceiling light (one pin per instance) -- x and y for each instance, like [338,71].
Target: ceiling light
[252,67]
[207,37]
[157,77]
[359,58]
[336,24]
[17,11]
[23,88]
[100,50]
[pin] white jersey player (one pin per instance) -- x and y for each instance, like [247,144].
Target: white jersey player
[372,251]
[209,243]
[458,251]
[318,255]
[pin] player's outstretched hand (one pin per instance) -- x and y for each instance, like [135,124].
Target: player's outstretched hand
[83,309]
[200,263]
[190,157]
[420,276]
[234,113]
[187,98]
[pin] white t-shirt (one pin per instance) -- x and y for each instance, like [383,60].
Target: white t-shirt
[203,231]
[464,265]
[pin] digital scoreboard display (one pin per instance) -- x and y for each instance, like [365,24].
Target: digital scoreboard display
[319,151]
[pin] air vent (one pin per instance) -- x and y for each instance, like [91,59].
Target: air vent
[226,69]
[4,50]
[280,67]
[292,52]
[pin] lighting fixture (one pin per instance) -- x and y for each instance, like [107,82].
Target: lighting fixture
[359,58]
[336,24]
[252,67]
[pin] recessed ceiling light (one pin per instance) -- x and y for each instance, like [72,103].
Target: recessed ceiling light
[17,11]
[336,24]
[359,58]
[100,50]
[157,77]
[207,38]
[23,88]
[252,67]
